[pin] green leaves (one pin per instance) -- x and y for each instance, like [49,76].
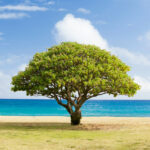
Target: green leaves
[77,68]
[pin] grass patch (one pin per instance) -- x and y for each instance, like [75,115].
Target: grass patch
[61,136]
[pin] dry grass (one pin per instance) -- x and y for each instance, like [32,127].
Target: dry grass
[108,135]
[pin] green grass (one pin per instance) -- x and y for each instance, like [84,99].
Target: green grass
[65,137]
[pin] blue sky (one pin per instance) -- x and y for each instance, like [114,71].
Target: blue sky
[30,26]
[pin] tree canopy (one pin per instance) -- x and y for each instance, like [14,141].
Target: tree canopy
[75,73]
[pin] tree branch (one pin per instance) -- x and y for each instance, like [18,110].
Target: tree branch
[96,95]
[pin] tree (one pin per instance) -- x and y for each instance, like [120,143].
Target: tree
[72,73]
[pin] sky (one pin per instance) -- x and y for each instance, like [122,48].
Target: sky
[119,26]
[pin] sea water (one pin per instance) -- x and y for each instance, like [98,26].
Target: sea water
[116,108]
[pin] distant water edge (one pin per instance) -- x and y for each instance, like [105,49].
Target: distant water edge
[115,108]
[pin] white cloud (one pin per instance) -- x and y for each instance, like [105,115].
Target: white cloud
[11,64]
[22,8]
[82,31]
[62,9]
[83,10]
[6,73]
[133,58]
[51,3]
[22,67]
[5,84]
[78,30]
[145,83]
[143,93]
[13,15]
[5,88]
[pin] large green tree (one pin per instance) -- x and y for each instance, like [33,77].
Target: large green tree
[72,73]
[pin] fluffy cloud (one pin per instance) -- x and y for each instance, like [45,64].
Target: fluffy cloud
[22,67]
[5,88]
[22,8]
[145,83]
[14,64]
[143,93]
[13,15]
[78,30]
[83,10]
[133,58]
[82,31]
[5,85]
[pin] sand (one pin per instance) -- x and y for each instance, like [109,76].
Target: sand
[84,120]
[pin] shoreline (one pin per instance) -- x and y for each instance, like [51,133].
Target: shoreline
[84,120]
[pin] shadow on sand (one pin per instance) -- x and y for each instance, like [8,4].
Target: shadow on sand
[58,126]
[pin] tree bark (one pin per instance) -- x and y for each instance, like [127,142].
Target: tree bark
[75,117]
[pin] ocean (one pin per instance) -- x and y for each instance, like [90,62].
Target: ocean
[115,108]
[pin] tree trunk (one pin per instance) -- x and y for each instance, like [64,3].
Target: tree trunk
[75,117]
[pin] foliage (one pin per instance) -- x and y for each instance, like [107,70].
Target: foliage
[76,73]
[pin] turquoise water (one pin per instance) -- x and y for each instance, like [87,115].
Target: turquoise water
[117,108]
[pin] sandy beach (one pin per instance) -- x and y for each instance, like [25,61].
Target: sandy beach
[84,120]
